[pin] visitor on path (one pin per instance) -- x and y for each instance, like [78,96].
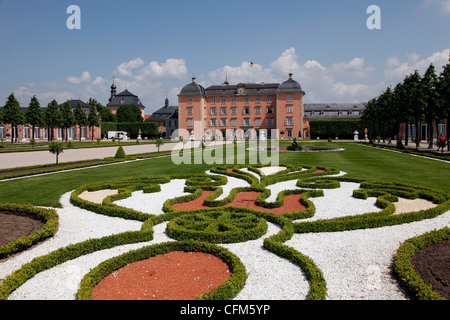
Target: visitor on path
[441,142]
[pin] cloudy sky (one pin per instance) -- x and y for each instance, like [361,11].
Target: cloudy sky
[155,47]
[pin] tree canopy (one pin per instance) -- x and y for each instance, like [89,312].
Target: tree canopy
[129,113]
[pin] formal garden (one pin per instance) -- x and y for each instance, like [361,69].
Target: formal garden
[360,223]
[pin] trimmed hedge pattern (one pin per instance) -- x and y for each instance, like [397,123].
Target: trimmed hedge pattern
[404,270]
[205,225]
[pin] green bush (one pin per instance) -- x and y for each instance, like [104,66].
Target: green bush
[120,153]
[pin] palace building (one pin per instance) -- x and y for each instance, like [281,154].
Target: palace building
[124,98]
[228,110]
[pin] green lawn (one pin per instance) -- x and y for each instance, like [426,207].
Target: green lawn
[357,160]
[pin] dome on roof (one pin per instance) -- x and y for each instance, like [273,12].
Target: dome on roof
[290,85]
[192,88]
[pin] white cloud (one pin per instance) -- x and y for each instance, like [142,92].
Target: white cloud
[85,77]
[355,68]
[443,4]
[402,69]
[125,68]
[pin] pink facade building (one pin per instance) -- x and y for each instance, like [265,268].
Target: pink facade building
[245,110]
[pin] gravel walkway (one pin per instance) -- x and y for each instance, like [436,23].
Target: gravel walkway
[356,264]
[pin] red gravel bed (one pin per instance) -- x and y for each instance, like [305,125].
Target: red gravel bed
[175,275]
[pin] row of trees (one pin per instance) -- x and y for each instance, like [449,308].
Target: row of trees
[415,100]
[54,116]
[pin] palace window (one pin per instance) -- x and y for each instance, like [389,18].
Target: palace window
[213,123]
[289,133]
[289,97]
[213,111]
[269,122]
[258,122]
[269,99]
[213,101]
[289,121]
[233,100]
[269,110]
[247,100]
[257,110]
[289,108]
[223,111]
[233,122]
[189,100]
[223,122]
[234,110]
[258,100]
[189,122]
[246,110]
[26,132]
[246,122]
[224,100]
[189,110]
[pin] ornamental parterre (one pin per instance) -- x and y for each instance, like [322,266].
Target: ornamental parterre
[333,210]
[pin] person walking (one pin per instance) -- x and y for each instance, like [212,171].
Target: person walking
[441,142]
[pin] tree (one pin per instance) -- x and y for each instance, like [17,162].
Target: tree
[93,120]
[13,115]
[53,118]
[415,100]
[67,117]
[105,113]
[80,118]
[432,101]
[159,142]
[130,113]
[56,148]
[34,114]
[444,94]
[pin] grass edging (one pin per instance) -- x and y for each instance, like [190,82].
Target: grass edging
[404,270]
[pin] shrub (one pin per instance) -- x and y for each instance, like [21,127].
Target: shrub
[120,153]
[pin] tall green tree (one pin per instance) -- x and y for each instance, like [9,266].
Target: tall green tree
[13,115]
[67,117]
[80,118]
[105,113]
[93,120]
[53,118]
[416,102]
[431,100]
[34,114]
[444,94]
[130,113]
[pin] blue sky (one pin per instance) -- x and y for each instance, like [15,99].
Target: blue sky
[153,48]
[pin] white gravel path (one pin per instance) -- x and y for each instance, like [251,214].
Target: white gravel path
[152,203]
[356,264]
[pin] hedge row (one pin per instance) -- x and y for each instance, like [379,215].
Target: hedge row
[342,129]
[404,270]
[148,129]
[227,290]
[48,216]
